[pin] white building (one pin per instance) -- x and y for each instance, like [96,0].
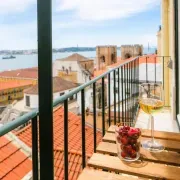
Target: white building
[75,68]
[60,87]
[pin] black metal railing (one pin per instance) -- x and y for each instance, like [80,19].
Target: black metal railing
[124,69]
[122,86]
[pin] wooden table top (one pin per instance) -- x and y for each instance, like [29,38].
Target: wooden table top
[104,164]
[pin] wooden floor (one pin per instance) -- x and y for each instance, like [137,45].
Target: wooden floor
[105,165]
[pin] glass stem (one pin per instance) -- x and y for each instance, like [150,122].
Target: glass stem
[152,127]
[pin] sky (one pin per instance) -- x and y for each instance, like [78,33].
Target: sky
[81,22]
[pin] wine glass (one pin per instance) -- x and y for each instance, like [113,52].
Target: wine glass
[151,101]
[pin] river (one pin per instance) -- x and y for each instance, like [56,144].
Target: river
[26,61]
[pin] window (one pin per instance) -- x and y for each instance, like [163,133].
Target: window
[61,94]
[103,58]
[70,69]
[113,58]
[67,71]
[27,101]
[63,68]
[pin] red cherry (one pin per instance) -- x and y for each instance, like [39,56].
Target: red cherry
[123,154]
[133,141]
[124,140]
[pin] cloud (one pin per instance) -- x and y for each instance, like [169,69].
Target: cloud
[14,6]
[105,9]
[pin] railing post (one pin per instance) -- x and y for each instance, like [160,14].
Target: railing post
[146,70]
[83,130]
[45,89]
[122,94]
[114,73]
[66,139]
[125,91]
[35,162]
[103,108]
[118,96]
[94,114]
[176,40]
[109,97]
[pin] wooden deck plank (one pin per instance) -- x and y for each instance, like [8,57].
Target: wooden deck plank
[89,174]
[168,144]
[165,157]
[138,168]
[157,134]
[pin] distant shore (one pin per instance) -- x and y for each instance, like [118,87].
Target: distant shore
[55,50]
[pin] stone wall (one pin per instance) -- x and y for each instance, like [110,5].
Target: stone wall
[128,51]
[106,56]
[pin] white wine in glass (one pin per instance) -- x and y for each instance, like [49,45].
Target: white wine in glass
[151,101]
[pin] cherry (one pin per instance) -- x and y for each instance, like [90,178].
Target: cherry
[123,154]
[124,140]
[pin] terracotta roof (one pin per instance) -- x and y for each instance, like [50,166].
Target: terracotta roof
[13,84]
[74,144]
[14,164]
[59,84]
[150,59]
[75,165]
[29,73]
[75,57]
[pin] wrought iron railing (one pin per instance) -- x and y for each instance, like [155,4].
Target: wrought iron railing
[127,77]
[122,86]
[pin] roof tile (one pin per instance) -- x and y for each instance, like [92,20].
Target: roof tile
[74,143]
[14,164]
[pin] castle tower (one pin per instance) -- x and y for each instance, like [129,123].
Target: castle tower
[106,55]
[128,51]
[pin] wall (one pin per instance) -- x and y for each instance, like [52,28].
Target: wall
[34,102]
[14,93]
[71,76]
[179,54]
[165,47]
[88,65]
[7,79]
[128,51]
[88,99]
[107,52]
[77,75]
[159,43]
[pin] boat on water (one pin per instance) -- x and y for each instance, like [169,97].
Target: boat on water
[9,57]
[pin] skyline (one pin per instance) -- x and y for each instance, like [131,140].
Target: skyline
[81,22]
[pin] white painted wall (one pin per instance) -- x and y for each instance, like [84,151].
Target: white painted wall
[88,99]
[34,98]
[81,77]
[142,77]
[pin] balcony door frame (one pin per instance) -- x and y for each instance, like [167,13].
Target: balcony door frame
[44,12]
[177,55]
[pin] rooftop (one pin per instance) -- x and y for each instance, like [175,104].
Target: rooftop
[13,84]
[29,73]
[75,145]
[59,85]
[151,59]
[75,57]
[14,163]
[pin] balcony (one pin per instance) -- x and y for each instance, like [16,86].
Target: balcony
[57,144]
[76,138]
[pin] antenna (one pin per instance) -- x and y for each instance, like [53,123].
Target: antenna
[148,47]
